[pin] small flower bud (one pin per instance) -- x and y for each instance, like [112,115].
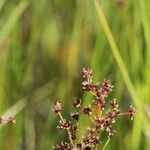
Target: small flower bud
[90,130]
[10,120]
[107,86]
[62,146]
[95,139]
[132,112]
[64,124]
[87,73]
[87,111]
[87,148]
[99,124]
[75,116]
[110,132]
[57,107]
[86,86]
[77,102]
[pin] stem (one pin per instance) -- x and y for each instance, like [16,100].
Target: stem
[96,147]
[61,117]
[99,111]
[68,131]
[106,144]
[122,114]
[119,60]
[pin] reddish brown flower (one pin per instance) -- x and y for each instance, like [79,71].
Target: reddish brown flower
[77,102]
[57,107]
[87,86]
[110,132]
[87,148]
[87,73]
[99,124]
[10,120]
[75,115]
[132,112]
[64,124]
[63,146]
[87,110]
[91,130]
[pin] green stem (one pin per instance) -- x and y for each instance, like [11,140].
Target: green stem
[106,144]
[119,60]
[68,131]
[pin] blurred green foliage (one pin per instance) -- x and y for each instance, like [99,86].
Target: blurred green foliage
[45,44]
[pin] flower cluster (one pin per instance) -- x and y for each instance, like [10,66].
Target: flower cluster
[102,114]
[8,120]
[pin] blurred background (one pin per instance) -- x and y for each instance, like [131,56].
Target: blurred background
[45,44]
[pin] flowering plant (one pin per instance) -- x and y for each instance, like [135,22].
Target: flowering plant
[8,120]
[101,114]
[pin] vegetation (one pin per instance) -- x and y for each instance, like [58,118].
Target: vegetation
[101,115]
[45,44]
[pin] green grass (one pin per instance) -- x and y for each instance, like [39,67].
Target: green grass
[43,47]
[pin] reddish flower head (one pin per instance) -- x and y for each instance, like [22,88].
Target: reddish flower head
[57,107]
[87,73]
[10,120]
[132,112]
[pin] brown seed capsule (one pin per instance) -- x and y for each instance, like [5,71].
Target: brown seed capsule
[87,73]
[10,120]
[57,107]
[64,124]
[77,102]
[87,111]
[132,112]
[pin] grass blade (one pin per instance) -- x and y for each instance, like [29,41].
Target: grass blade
[119,60]
[12,20]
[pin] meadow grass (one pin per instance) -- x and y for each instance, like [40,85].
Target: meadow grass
[43,47]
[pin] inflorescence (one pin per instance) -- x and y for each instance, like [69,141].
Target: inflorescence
[101,114]
[8,120]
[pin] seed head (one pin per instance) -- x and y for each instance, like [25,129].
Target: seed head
[64,124]
[63,146]
[87,73]
[132,112]
[77,102]
[87,86]
[87,111]
[75,116]
[57,107]
[10,120]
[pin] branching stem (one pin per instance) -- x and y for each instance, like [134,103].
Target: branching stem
[106,144]
[68,131]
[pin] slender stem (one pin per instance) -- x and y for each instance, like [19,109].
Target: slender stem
[122,114]
[96,147]
[91,118]
[61,117]
[119,60]
[68,131]
[99,111]
[106,144]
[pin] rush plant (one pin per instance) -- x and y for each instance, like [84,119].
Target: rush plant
[102,115]
[8,120]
